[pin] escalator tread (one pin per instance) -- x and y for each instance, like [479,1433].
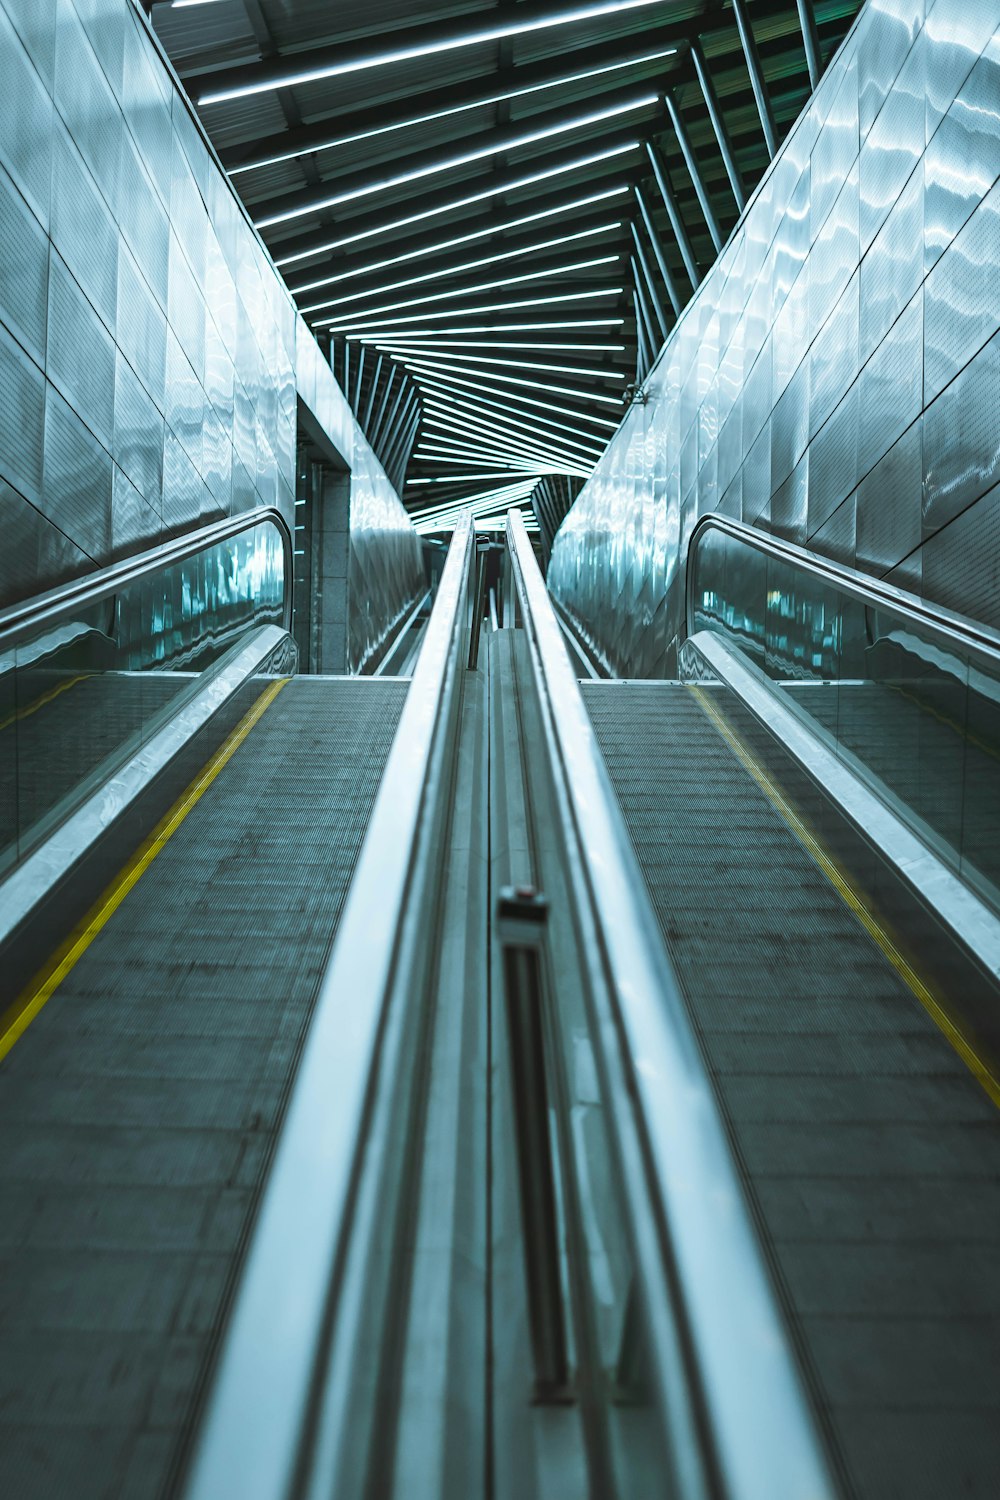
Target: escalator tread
[140,1108]
[871,1156]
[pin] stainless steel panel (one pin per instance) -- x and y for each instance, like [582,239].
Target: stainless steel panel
[35,553]
[790,426]
[36,26]
[22,418]
[890,154]
[24,270]
[836,252]
[833,461]
[962,441]
[836,538]
[885,34]
[962,310]
[138,440]
[946,576]
[83,229]
[142,335]
[891,386]
[790,503]
[889,505]
[963,156]
[893,268]
[134,524]
[834,356]
[87,104]
[836,147]
[76,479]
[143,219]
[27,122]
[81,353]
[957,31]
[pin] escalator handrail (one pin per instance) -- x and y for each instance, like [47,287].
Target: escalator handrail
[708,1272]
[255,1427]
[46,610]
[953,630]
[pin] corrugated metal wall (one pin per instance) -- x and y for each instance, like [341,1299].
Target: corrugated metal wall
[836,379]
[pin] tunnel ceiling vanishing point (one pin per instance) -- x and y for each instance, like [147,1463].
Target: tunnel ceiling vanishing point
[473,190]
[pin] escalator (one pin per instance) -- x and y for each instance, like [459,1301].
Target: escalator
[483,1083]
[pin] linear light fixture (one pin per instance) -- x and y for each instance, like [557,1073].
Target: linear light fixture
[456,203]
[348,319]
[447,479]
[459,433]
[369,321]
[499,455]
[406,343]
[456,382]
[389,58]
[381,335]
[486,424]
[467,424]
[416,174]
[431,368]
[431,356]
[488,229]
[529,429]
[440,114]
[468,265]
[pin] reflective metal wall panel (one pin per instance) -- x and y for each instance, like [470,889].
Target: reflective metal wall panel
[836,377]
[150,355]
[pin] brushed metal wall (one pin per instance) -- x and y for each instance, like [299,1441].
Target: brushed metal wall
[148,348]
[836,378]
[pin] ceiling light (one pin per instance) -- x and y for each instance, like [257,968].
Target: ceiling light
[391,57]
[456,203]
[492,149]
[338,320]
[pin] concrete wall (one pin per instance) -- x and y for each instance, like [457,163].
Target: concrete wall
[836,378]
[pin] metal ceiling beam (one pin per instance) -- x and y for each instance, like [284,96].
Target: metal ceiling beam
[654,296]
[327,57]
[756,73]
[654,240]
[427,99]
[810,41]
[495,183]
[694,171]
[643,355]
[673,214]
[570,121]
[718,123]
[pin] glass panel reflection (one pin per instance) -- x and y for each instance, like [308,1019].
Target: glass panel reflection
[913,709]
[78,696]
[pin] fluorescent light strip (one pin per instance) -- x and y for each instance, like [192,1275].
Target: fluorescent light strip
[456,203]
[505,426]
[455,431]
[457,383]
[430,368]
[417,174]
[486,499]
[456,435]
[440,114]
[410,54]
[454,244]
[339,320]
[447,479]
[457,424]
[448,454]
[433,358]
[424,344]
[380,336]
[338,325]
[469,265]
[457,428]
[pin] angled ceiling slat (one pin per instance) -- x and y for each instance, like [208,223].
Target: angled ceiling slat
[517,356]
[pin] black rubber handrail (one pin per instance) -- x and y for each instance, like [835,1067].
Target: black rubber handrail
[48,609]
[954,630]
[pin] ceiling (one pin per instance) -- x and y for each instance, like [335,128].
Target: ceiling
[510,200]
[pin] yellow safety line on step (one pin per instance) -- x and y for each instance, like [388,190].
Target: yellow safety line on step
[850,896]
[18,1017]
